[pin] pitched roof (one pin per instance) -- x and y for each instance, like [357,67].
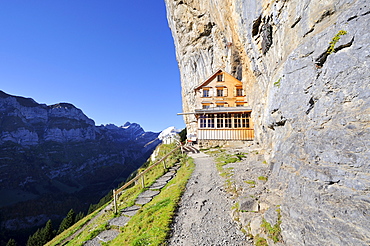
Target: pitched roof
[210,78]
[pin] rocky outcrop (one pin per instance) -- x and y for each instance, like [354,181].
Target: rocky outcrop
[53,158]
[305,66]
[26,122]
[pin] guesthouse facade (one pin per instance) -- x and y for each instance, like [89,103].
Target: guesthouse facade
[221,111]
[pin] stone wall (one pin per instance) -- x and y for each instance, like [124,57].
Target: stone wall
[309,95]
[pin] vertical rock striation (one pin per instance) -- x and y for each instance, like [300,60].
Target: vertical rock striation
[305,67]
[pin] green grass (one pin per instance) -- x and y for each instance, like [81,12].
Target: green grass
[224,159]
[260,241]
[126,199]
[151,225]
[236,206]
[230,187]
[251,182]
[273,232]
[241,155]
[213,151]
[262,178]
[65,234]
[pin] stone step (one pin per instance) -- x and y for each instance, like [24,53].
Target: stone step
[148,194]
[119,221]
[143,201]
[130,211]
[93,242]
[169,174]
[175,167]
[107,235]
[104,236]
[163,179]
[157,185]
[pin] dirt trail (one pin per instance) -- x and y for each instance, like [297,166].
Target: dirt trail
[203,216]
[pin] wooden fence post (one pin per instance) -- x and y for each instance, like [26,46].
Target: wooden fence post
[142,182]
[136,179]
[115,201]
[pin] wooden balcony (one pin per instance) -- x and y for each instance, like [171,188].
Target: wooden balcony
[226,134]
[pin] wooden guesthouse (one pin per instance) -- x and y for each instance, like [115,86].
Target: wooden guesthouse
[222,112]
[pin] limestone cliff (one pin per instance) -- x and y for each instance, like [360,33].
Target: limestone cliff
[305,67]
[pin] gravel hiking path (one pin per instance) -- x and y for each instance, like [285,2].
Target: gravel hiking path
[203,217]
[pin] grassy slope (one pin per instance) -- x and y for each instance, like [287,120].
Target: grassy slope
[152,223]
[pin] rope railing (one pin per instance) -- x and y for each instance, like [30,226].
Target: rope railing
[141,175]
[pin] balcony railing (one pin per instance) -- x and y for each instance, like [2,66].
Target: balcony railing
[226,134]
[222,109]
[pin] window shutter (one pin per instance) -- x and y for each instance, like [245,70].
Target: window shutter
[225,92]
[201,92]
[235,93]
[211,92]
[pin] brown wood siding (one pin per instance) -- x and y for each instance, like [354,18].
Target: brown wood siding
[226,134]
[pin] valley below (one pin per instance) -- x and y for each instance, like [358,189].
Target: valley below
[54,158]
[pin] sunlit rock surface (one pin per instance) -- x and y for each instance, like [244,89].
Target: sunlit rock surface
[310,101]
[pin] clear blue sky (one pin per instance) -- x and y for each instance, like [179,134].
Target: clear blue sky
[113,59]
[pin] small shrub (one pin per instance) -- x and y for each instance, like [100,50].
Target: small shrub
[251,182]
[277,83]
[263,178]
[235,206]
[240,156]
[260,241]
[336,38]
[273,232]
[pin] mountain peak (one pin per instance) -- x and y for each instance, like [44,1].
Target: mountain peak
[63,105]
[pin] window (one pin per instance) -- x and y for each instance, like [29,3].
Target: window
[220,121]
[205,93]
[239,92]
[223,120]
[220,105]
[202,121]
[245,118]
[205,106]
[228,121]
[210,120]
[220,78]
[241,120]
[245,123]
[211,123]
[220,92]
[237,120]
[207,121]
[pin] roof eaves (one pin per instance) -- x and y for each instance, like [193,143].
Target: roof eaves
[209,78]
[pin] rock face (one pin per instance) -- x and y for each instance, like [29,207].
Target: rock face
[25,122]
[305,66]
[54,158]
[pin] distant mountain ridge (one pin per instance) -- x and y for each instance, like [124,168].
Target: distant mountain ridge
[53,158]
